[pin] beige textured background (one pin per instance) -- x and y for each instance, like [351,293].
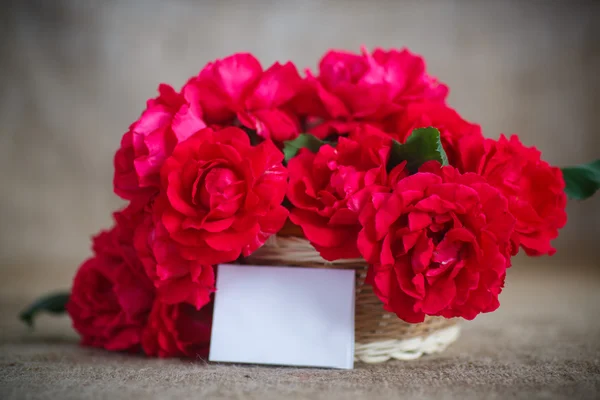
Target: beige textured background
[75,73]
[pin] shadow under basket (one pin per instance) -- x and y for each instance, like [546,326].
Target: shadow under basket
[379,335]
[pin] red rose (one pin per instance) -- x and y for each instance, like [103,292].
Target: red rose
[237,87]
[438,244]
[327,190]
[221,197]
[111,296]
[176,279]
[167,120]
[534,189]
[178,330]
[367,87]
[451,125]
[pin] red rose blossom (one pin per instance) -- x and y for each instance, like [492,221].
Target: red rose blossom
[111,296]
[327,190]
[367,87]
[438,244]
[451,125]
[167,120]
[176,279]
[534,189]
[221,197]
[178,330]
[236,87]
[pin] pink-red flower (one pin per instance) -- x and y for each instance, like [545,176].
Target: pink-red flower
[176,279]
[437,244]
[178,330]
[237,90]
[367,87]
[534,189]
[167,120]
[221,197]
[327,190]
[111,296]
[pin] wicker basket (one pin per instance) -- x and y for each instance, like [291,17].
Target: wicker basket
[379,335]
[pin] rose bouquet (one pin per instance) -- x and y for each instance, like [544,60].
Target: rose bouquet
[364,159]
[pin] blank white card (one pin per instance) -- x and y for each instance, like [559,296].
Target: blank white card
[284,316]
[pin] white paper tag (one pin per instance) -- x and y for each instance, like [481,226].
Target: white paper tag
[284,316]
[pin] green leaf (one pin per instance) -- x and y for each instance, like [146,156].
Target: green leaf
[424,144]
[54,303]
[304,140]
[582,180]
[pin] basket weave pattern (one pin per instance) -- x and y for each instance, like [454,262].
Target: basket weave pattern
[379,335]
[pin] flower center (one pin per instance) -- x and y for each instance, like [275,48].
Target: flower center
[447,250]
[215,185]
[345,181]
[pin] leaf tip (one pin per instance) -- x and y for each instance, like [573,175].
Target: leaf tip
[27,318]
[53,303]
